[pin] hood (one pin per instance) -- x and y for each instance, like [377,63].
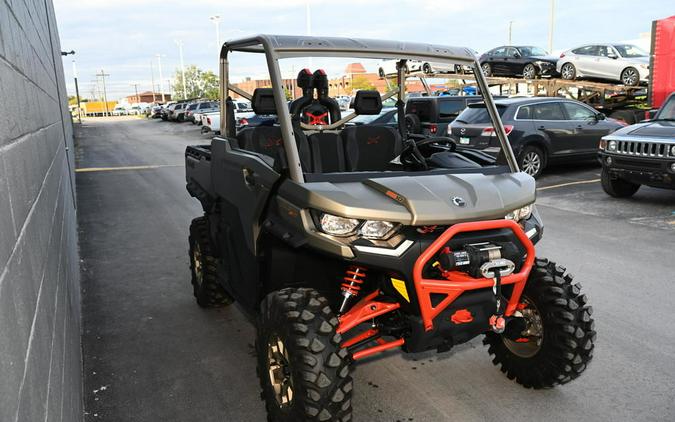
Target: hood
[550,59]
[659,129]
[638,60]
[419,200]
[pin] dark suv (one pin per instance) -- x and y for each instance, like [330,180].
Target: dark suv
[541,130]
[432,115]
[640,154]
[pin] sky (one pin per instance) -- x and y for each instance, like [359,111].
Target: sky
[123,37]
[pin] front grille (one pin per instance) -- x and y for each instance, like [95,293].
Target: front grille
[642,149]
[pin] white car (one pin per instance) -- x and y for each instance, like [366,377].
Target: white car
[388,67]
[211,121]
[119,111]
[625,63]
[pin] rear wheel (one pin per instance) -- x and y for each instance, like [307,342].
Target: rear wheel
[630,76]
[413,123]
[568,71]
[557,343]
[426,68]
[304,374]
[532,161]
[486,69]
[380,72]
[617,188]
[529,71]
[204,267]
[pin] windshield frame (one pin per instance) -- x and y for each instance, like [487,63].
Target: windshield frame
[276,47]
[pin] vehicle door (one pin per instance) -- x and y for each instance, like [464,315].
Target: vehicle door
[498,61]
[588,129]
[549,120]
[606,63]
[583,59]
[513,62]
[243,181]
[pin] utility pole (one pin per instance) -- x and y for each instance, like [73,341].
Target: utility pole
[161,89]
[510,27]
[152,75]
[77,93]
[179,43]
[102,75]
[138,100]
[550,27]
[216,20]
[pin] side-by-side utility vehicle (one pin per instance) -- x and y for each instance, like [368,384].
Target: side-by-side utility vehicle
[349,240]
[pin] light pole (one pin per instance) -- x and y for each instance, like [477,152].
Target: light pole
[550,28]
[161,88]
[179,43]
[152,75]
[216,21]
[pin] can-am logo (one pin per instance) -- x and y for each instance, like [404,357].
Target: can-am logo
[458,201]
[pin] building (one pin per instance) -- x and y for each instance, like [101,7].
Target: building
[147,97]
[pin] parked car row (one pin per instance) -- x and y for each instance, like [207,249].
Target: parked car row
[624,63]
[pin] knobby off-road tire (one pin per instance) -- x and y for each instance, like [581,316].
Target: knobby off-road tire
[316,368]
[204,267]
[567,343]
[617,188]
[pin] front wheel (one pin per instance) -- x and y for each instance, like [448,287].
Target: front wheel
[426,68]
[304,374]
[630,76]
[380,72]
[618,188]
[556,344]
[529,71]
[486,69]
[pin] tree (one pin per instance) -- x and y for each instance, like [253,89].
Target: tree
[361,82]
[198,84]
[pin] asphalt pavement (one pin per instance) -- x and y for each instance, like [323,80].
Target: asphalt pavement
[151,354]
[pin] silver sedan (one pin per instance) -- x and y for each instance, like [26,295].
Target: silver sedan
[625,63]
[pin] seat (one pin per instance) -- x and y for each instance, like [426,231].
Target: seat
[369,148]
[268,139]
[327,152]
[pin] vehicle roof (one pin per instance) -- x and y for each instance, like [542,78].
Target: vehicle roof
[301,45]
[443,97]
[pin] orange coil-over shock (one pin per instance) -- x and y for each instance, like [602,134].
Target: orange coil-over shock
[351,285]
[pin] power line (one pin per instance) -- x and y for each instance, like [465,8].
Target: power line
[102,75]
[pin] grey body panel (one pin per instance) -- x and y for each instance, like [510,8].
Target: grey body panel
[424,199]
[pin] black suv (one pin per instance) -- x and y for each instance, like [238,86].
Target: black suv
[541,130]
[640,154]
[432,115]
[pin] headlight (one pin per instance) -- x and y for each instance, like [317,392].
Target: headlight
[338,226]
[520,214]
[672,150]
[611,146]
[373,229]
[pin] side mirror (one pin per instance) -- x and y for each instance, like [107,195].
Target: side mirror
[612,56]
[516,55]
[600,116]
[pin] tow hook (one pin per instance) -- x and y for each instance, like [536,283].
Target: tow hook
[495,269]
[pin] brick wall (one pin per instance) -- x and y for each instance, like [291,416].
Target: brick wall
[40,355]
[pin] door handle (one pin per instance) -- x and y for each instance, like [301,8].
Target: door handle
[541,127]
[579,127]
[249,180]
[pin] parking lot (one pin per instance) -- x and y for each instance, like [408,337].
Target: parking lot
[151,354]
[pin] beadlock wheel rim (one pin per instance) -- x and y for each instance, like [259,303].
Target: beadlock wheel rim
[197,260]
[279,371]
[534,333]
[531,163]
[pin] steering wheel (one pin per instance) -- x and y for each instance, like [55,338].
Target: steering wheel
[411,154]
